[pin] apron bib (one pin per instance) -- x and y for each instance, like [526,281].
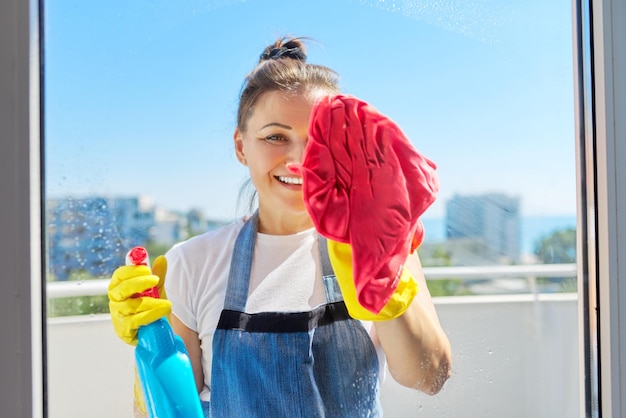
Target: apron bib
[319,363]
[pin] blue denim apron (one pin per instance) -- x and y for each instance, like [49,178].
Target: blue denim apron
[319,363]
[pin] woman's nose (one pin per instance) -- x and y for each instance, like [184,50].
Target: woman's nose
[296,151]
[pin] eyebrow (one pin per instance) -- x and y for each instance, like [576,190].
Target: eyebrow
[280,125]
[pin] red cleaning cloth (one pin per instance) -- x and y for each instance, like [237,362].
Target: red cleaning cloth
[365,184]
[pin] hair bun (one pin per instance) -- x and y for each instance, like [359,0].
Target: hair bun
[291,49]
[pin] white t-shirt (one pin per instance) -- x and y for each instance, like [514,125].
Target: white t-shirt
[286,277]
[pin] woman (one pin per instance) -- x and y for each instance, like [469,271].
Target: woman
[299,353]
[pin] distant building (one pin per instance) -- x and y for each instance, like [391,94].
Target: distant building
[93,234]
[168,227]
[489,221]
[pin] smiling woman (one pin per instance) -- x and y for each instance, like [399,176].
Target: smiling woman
[134,91]
[271,286]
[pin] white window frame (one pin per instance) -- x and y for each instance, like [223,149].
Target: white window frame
[601,156]
[601,200]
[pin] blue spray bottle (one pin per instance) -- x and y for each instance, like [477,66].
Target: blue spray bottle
[163,364]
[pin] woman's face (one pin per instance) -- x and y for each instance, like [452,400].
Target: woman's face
[276,135]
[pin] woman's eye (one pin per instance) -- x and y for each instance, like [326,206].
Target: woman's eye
[275,138]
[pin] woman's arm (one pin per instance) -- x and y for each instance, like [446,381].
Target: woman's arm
[192,343]
[418,351]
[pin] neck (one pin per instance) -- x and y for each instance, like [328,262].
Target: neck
[283,223]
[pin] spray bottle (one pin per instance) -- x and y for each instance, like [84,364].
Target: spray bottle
[163,364]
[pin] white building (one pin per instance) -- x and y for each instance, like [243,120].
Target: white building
[491,220]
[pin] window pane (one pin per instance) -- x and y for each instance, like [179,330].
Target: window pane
[140,104]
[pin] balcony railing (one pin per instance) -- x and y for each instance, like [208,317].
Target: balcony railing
[528,272]
[514,355]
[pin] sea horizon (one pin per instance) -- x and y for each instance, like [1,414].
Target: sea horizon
[533,229]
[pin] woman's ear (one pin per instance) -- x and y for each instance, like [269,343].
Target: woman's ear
[239,151]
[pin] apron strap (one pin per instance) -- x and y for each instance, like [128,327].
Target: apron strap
[331,286]
[241,265]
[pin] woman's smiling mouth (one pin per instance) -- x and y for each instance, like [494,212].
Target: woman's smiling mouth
[290,180]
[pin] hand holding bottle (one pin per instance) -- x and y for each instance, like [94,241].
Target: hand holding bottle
[164,384]
[130,307]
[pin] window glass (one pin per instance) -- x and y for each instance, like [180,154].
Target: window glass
[140,103]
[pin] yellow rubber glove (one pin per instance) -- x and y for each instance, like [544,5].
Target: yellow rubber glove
[128,311]
[340,255]
[140,400]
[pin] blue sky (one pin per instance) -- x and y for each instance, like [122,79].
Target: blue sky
[140,97]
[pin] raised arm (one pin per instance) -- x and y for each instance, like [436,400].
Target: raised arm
[417,349]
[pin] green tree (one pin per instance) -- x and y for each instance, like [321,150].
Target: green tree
[437,255]
[558,247]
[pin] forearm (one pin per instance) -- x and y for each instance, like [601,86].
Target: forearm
[417,349]
[192,344]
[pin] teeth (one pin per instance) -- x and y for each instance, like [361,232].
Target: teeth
[290,180]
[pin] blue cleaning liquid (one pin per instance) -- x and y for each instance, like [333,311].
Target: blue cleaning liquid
[165,372]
